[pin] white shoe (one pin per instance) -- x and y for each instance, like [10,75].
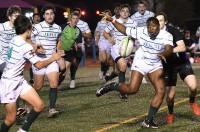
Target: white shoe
[72,84]
[101,75]
[53,113]
[21,130]
[144,81]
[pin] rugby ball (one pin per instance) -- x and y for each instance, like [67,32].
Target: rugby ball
[126,46]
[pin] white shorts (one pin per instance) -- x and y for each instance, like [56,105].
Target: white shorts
[104,45]
[11,89]
[140,65]
[115,51]
[53,67]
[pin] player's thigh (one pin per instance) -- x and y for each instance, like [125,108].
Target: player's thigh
[136,79]
[61,64]
[103,55]
[38,81]
[157,79]
[33,99]
[122,64]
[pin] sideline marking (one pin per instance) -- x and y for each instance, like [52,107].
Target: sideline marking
[138,117]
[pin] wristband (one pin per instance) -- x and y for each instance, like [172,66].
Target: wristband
[113,21]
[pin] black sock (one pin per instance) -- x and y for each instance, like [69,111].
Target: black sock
[192,99]
[61,79]
[52,97]
[32,116]
[102,66]
[115,87]
[73,69]
[31,73]
[151,113]
[17,103]
[121,77]
[170,109]
[4,127]
[112,75]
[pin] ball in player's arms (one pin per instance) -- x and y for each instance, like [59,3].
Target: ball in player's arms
[126,46]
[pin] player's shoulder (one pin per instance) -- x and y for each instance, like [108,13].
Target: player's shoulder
[81,22]
[150,13]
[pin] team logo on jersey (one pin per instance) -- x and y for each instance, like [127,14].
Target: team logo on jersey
[31,52]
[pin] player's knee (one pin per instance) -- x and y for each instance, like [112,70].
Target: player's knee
[39,107]
[10,120]
[38,87]
[132,89]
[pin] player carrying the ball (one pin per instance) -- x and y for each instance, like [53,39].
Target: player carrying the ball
[156,45]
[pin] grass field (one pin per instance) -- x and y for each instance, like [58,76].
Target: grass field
[82,111]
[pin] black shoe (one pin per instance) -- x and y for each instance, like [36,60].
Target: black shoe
[107,78]
[123,96]
[104,89]
[21,112]
[31,81]
[148,124]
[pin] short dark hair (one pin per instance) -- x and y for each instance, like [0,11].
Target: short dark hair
[154,20]
[47,7]
[163,14]
[117,5]
[76,9]
[22,24]
[108,11]
[13,9]
[142,2]
[125,6]
[36,14]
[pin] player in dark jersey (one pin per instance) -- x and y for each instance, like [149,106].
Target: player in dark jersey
[177,63]
[71,41]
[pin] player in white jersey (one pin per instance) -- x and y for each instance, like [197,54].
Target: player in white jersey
[104,45]
[141,17]
[86,33]
[35,20]
[121,64]
[7,32]
[142,14]
[156,45]
[46,33]
[198,36]
[13,84]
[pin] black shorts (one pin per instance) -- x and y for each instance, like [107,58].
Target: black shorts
[171,72]
[71,54]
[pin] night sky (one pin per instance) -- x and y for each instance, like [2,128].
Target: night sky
[90,6]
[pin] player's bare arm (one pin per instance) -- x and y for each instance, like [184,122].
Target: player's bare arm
[180,47]
[97,37]
[108,37]
[168,51]
[87,35]
[117,25]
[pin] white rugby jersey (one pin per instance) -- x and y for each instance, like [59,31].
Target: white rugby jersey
[150,48]
[118,35]
[83,26]
[19,51]
[142,19]
[47,36]
[101,25]
[6,34]
[198,32]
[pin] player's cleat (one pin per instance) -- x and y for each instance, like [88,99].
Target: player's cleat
[114,80]
[170,118]
[101,75]
[21,112]
[148,124]
[21,130]
[53,113]
[123,96]
[72,84]
[195,108]
[104,89]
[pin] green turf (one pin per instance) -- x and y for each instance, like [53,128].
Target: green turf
[82,111]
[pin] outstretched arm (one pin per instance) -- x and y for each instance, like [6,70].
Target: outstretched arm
[117,25]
